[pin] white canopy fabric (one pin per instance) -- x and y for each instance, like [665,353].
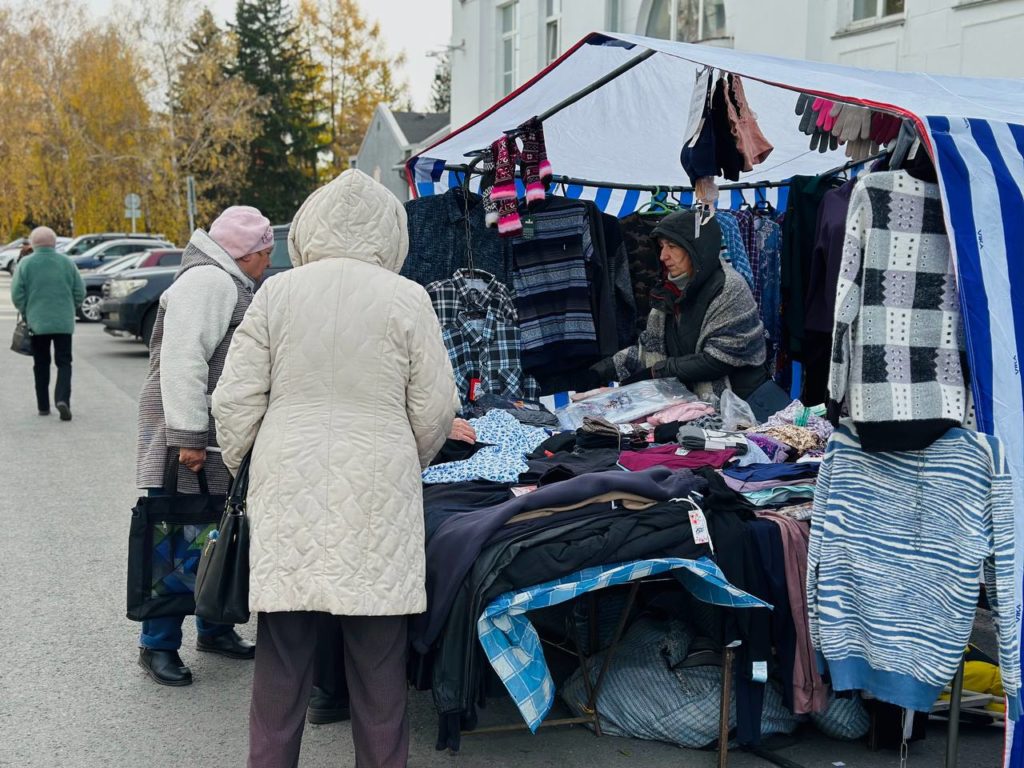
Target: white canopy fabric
[630,131]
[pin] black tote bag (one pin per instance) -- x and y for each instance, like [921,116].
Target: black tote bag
[222,583]
[164,546]
[21,339]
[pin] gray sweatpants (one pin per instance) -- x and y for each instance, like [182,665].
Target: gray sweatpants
[375,664]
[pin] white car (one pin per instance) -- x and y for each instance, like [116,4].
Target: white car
[9,253]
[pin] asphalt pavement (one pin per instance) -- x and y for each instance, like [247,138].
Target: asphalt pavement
[71,693]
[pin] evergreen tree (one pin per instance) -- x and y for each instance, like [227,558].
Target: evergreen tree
[283,156]
[214,120]
[441,89]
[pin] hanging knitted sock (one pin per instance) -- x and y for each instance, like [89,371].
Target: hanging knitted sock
[544,167]
[529,162]
[504,153]
[486,168]
[509,223]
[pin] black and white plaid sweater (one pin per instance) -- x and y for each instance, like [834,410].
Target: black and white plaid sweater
[898,342]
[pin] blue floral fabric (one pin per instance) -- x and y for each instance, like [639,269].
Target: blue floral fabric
[502,461]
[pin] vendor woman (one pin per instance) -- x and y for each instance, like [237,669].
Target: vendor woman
[704,327]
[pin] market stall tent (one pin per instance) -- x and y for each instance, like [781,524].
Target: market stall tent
[628,132]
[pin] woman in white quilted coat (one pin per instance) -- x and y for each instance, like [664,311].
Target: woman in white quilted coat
[338,380]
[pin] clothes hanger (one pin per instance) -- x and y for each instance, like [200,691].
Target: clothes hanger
[656,205]
[761,204]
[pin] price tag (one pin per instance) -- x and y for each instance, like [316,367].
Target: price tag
[699,526]
[759,672]
[529,228]
[474,385]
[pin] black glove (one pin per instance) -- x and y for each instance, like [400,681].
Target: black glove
[600,374]
[644,374]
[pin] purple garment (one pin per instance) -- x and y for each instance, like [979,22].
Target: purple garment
[778,452]
[453,549]
[668,456]
[826,258]
[787,416]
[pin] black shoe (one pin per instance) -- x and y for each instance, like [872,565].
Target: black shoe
[324,708]
[65,411]
[165,667]
[45,413]
[229,644]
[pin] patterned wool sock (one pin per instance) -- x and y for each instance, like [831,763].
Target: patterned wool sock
[505,153]
[509,223]
[529,162]
[544,168]
[486,169]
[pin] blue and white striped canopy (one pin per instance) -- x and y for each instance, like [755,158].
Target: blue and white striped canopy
[630,132]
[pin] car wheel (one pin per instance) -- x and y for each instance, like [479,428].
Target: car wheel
[90,309]
[147,326]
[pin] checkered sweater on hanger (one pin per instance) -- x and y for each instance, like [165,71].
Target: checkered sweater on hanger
[896,355]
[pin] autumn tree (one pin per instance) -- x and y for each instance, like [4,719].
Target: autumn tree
[283,157]
[441,88]
[78,127]
[359,73]
[214,115]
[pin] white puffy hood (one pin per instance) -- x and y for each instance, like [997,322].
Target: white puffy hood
[351,217]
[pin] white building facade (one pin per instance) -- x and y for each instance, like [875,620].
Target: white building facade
[500,44]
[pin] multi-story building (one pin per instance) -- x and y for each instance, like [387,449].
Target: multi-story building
[500,44]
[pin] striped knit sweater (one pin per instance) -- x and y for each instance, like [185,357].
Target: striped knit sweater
[898,541]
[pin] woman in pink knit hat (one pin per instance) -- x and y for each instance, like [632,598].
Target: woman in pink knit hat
[195,322]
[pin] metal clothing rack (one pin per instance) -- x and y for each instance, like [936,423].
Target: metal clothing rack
[470,168]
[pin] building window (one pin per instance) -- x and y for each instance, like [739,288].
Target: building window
[865,10]
[552,30]
[690,21]
[507,51]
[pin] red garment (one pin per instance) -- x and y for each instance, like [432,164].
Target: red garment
[668,456]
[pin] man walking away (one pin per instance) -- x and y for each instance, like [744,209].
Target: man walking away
[47,290]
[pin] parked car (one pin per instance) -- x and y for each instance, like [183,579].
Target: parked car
[130,299]
[9,254]
[95,278]
[83,243]
[97,255]
[161,257]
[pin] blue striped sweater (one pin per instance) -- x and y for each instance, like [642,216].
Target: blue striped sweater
[898,542]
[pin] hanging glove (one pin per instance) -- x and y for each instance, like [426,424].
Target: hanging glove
[803,103]
[810,117]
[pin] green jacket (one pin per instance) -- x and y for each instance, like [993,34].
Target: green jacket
[47,289]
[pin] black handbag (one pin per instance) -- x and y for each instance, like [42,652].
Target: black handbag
[222,583]
[21,341]
[164,546]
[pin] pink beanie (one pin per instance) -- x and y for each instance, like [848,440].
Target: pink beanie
[241,230]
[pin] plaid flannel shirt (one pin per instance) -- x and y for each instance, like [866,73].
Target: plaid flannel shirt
[480,328]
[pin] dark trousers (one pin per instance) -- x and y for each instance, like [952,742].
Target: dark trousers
[329,682]
[375,659]
[62,355]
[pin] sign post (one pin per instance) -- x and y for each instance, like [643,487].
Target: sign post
[132,210]
[190,196]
